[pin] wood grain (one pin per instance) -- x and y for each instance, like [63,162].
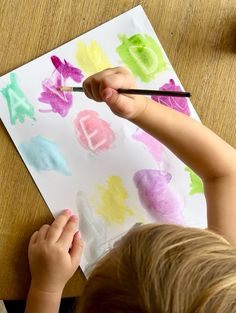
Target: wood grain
[199,38]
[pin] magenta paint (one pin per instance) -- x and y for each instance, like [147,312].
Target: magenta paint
[66,69]
[177,103]
[59,101]
[153,145]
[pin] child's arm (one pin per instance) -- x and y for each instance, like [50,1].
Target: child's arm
[201,149]
[54,256]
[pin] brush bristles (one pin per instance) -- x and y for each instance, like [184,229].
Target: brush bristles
[64,88]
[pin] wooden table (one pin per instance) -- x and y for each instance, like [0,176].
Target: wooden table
[199,38]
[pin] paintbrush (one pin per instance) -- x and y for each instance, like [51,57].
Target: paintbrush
[146,92]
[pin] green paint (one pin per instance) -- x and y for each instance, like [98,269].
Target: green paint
[196,184]
[112,205]
[142,55]
[18,105]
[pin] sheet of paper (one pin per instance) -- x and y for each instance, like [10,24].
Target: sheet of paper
[81,156]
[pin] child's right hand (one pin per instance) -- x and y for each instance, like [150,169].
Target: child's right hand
[103,86]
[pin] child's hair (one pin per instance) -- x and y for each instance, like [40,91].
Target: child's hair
[164,269]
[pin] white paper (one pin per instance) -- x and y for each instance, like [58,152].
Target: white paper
[76,177]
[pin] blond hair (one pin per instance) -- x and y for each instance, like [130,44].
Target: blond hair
[164,269]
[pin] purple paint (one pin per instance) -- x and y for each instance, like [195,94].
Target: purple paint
[152,144]
[177,103]
[157,197]
[60,101]
[67,70]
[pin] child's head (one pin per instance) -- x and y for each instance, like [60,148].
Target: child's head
[161,269]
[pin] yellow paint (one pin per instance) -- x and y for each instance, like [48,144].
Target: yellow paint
[112,206]
[91,59]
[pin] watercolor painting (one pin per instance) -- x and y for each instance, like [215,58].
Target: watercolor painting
[92,227]
[43,155]
[176,103]
[196,184]
[59,101]
[156,196]
[106,169]
[18,105]
[93,133]
[112,207]
[91,58]
[153,145]
[142,55]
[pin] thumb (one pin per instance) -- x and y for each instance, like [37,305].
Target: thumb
[119,104]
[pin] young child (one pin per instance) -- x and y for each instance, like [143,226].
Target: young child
[153,268]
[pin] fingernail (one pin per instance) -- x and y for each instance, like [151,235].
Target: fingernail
[74,218]
[67,211]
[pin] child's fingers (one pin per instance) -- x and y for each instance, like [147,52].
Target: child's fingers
[77,248]
[42,233]
[118,103]
[115,78]
[95,85]
[68,232]
[57,226]
[87,89]
[33,238]
[115,81]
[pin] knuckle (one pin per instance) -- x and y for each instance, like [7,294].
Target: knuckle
[55,225]
[120,68]
[71,225]
[106,82]
[43,227]
[85,83]
[94,80]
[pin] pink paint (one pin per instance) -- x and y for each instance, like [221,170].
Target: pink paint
[152,144]
[93,133]
[177,103]
[60,101]
[66,69]
[157,197]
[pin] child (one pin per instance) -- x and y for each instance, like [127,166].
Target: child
[153,268]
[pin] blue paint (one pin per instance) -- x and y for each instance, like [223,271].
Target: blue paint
[43,155]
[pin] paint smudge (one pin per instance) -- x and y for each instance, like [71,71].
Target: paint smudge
[196,184]
[67,70]
[91,58]
[178,103]
[152,144]
[157,197]
[113,197]
[18,105]
[43,155]
[59,101]
[93,231]
[142,55]
[93,133]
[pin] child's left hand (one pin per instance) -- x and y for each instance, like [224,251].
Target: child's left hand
[54,253]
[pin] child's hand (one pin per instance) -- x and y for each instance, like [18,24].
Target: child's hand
[54,253]
[103,85]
